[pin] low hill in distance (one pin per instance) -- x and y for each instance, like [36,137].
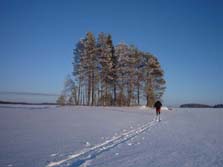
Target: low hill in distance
[218,106]
[194,105]
[26,103]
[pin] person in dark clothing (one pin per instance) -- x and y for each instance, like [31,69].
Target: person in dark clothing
[158,106]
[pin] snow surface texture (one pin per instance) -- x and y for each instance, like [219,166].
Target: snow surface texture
[110,136]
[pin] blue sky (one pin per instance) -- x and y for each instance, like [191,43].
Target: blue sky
[37,38]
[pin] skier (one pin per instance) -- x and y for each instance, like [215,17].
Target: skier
[158,106]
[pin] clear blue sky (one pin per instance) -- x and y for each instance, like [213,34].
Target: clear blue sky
[37,38]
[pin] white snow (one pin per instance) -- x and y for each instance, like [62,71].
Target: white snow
[87,144]
[164,108]
[110,136]
[53,155]
[143,107]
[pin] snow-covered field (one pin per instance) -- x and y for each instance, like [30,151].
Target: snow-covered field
[47,136]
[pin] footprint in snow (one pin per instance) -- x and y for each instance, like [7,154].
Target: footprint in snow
[53,155]
[87,144]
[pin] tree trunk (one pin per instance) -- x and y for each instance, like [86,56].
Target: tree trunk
[147,100]
[89,90]
[114,91]
[79,91]
[92,92]
[138,94]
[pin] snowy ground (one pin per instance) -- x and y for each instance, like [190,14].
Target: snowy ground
[44,136]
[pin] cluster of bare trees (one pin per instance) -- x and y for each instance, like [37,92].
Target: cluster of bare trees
[109,75]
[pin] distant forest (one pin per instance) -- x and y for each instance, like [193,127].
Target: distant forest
[194,105]
[108,75]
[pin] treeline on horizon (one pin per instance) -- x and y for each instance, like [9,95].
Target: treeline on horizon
[196,105]
[108,75]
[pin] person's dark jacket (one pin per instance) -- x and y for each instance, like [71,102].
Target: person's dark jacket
[158,105]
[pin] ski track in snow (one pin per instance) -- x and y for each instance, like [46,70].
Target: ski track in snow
[86,155]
